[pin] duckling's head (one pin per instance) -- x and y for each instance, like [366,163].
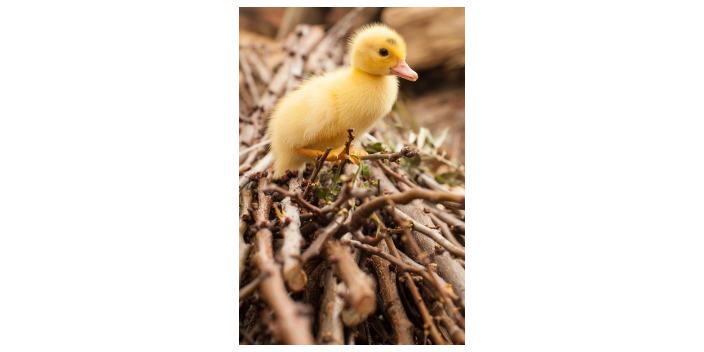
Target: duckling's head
[378,50]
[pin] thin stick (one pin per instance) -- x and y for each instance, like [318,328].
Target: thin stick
[423,256]
[388,257]
[299,199]
[435,236]
[449,219]
[405,152]
[445,230]
[261,166]
[248,76]
[319,165]
[395,175]
[365,210]
[249,288]
[244,218]
[323,236]
[250,158]
[427,319]
[254,146]
[456,333]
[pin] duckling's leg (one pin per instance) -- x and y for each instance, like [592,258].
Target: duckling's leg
[334,154]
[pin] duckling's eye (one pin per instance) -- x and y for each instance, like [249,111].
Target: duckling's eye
[383,52]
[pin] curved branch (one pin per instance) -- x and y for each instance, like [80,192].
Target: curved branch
[365,210]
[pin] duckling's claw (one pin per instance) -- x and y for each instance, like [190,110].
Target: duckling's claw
[336,154]
[357,153]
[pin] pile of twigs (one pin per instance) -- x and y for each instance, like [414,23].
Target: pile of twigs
[343,254]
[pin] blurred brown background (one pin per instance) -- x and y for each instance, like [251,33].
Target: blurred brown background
[435,44]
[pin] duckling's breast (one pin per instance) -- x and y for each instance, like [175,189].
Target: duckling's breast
[365,101]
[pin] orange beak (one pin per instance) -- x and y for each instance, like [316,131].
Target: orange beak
[402,70]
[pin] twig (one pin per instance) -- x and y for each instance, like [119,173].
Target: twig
[427,319]
[250,158]
[405,152]
[361,297]
[246,216]
[261,214]
[319,165]
[403,329]
[350,138]
[423,256]
[249,102]
[456,333]
[296,69]
[431,183]
[249,288]
[293,326]
[254,146]
[262,71]
[331,330]
[388,257]
[299,199]
[248,76]
[246,336]
[260,167]
[395,175]
[449,219]
[454,205]
[323,236]
[293,273]
[365,210]
[447,267]
[417,226]
[445,230]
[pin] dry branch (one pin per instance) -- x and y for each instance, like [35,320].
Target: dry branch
[246,216]
[392,302]
[260,167]
[433,234]
[294,275]
[364,211]
[294,328]
[447,267]
[423,256]
[427,319]
[261,214]
[318,165]
[449,219]
[445,230]
[248,76]
[249,288]
[331,329]
[456,333]
[361,297]
[405,152]
[323,236]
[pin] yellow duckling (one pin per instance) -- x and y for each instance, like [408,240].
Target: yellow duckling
[317,114]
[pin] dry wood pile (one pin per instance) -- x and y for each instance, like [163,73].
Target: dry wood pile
[341,254]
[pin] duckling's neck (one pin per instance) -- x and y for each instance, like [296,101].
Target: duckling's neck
[370,78]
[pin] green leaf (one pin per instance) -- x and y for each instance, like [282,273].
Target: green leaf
[373,147]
